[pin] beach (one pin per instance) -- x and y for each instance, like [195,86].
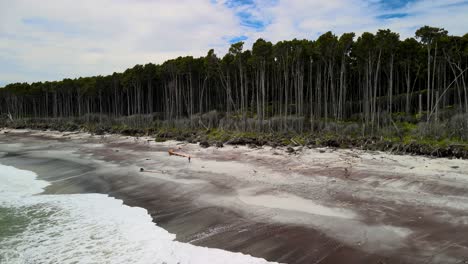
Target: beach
[310,205]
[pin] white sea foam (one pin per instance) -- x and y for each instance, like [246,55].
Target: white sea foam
[90,228]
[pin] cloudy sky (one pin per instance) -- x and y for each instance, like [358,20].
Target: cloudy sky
[55,39]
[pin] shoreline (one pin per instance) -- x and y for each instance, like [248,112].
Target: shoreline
[215,138]
[92,227]
[264,201]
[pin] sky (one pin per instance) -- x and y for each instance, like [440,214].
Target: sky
[56,39]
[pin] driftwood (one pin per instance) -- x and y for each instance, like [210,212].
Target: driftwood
[172,152]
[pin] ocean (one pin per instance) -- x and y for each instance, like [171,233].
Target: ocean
[86,228]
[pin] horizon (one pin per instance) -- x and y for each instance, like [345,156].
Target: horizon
[51,42]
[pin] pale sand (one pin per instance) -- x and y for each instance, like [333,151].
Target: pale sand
[316,206]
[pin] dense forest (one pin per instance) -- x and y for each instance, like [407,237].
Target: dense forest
[350,84]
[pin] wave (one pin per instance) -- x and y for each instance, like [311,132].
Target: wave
[87,228]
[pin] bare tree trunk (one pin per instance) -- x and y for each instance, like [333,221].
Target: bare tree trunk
[390,84]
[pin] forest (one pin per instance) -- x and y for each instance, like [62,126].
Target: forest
[373,85]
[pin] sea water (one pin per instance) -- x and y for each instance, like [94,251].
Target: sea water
[86,228]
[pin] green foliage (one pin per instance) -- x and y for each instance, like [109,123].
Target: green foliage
[218,135]
[428,35]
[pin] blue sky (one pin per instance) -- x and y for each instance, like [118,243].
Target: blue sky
[55,39]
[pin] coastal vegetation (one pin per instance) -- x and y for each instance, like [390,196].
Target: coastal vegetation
[373,91]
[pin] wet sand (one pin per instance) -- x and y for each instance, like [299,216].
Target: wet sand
[315,206]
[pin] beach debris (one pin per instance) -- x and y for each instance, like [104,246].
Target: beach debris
[347,173]
[180,154]
[332,143]
[142,170]
[204,144]
[290,150]
[295,142]
[455,167]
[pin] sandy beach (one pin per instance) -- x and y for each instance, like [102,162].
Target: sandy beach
[318,205]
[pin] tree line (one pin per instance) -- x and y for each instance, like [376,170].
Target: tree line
[290,85]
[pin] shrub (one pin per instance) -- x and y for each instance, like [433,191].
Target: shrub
[458,126]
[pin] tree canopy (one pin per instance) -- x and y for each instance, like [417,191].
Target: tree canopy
[368,79]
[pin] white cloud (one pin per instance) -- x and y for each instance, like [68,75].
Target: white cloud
[310,18]
[54,39]
[87,37]
[448,14]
